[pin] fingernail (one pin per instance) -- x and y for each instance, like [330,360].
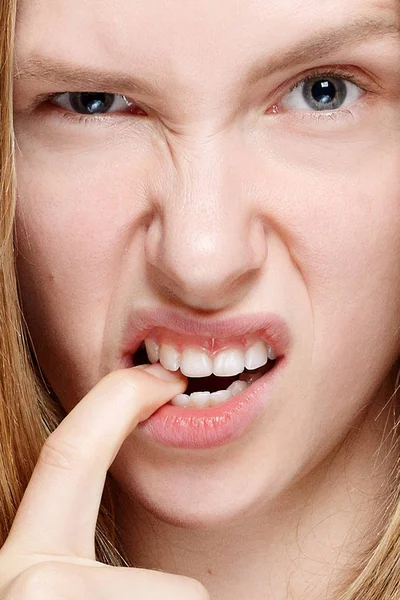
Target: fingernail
[159,371]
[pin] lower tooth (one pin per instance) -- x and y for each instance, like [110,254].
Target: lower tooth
[237,387]
[217,398]
[200,399]
[206,399]
[181,400]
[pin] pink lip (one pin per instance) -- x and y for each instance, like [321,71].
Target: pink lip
[201,429]
[141,322]
[209,428]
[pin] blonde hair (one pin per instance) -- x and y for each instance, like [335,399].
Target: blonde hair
[29,413]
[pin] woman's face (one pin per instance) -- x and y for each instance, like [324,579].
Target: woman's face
[201,174]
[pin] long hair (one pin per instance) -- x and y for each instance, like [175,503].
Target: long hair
[29,413]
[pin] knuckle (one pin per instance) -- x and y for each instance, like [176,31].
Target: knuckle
[170,585]
[59,453]
[43,581]
[123,380]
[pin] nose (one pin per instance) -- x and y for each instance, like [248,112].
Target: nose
[206,244]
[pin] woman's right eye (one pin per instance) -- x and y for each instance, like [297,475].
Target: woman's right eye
[95,103]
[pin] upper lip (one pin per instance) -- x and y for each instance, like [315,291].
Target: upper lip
[141,321]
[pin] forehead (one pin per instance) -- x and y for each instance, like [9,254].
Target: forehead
[112,26]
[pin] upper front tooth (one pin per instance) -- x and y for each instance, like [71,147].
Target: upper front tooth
[196,363]
[153,350]
[228,363]
[169,357]
[256,356]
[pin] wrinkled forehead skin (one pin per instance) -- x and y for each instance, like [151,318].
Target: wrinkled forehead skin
[186,48]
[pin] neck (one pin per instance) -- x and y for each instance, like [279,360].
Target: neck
[304,544]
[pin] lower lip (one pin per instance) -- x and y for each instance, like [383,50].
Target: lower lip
[212,427]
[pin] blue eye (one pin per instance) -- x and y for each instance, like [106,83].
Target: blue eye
[322,94]
[93,103]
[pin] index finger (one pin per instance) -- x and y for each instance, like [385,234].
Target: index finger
[59,510]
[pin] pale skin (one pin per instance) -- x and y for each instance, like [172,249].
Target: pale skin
[49,552]
[223,195]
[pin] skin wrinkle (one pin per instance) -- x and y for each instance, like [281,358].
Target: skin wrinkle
[121,213]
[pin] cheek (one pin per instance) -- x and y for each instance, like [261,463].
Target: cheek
[78,205]
[70,222]
[347,245]
[76,216]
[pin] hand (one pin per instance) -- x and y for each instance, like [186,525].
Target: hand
[49,553]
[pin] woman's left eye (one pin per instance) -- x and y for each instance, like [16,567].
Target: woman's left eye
[322,93]
[93,103]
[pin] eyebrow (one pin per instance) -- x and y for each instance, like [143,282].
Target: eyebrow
[324,44]
[63,73]
[319,46]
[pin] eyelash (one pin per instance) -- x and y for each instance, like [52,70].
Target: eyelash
[336,72]
[332,72]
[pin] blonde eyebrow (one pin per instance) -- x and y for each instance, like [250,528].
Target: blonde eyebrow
[81,78]
[325,43]
[320,45]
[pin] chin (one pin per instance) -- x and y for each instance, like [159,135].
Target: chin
[183,497]
[199,516]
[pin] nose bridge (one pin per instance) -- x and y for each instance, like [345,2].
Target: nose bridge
[199,203]
[203,243]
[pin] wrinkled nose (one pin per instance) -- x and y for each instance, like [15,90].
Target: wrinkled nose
[206,244]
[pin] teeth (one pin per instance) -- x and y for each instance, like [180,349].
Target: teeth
[217,398]
[256,356]
[207,400]
[196,363]
[181,400]
[200,399]
[237,387]
[228,363]
[153,350]
[169,357]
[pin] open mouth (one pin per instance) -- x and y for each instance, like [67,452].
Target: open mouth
[214,388]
